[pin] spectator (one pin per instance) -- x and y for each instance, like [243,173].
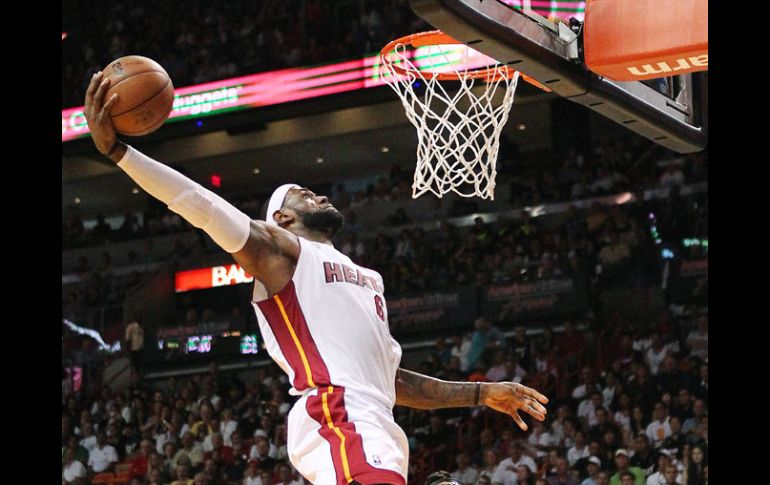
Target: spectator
[622,463]
[250,422]
[699,411]
[659,429]
[486,336]
[571,343]
[547,342]
[507,470]
[236,470]
[201,479]
[698,340]
[588,407]
[627,478]
[541,438]
[660,477]
[683,405]
[677,439]
[642,388]
[190,449]
[353,248]
[81,453]
[562,476]
[266,477]
[466,472]
[612,388]
[593,467]
[524,476]
[695,473]
[183,475]
[102,231]
[563,415]
[287,476]
[579,450]
[225,453]
[603,478]
[102,457]
[522,348]
[643,457]
[134,341]
[156,468]
[491,463]
[169,456]
[460,349]
[587,385]
[130,226]
[73,470]
[156,478]
[140,460]
[497,372]
[260,451]
[656,353]
[228,426]
[673,477]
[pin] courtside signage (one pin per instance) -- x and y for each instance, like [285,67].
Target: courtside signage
[212,277]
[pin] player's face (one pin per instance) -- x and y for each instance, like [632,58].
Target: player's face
[306,200]
[315,211]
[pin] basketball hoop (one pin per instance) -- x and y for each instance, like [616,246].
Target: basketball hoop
[458,135]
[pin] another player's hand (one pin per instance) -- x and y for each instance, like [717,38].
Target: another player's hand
[510,397]
[97,113]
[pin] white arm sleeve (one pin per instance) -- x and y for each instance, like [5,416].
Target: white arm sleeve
[202,208]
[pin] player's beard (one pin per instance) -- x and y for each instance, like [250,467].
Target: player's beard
[328,221]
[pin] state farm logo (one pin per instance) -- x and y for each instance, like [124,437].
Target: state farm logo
[685,64]
[229,275]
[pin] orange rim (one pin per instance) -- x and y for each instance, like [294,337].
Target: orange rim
[436,37]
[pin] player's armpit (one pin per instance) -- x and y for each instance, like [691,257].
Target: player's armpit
[270,255]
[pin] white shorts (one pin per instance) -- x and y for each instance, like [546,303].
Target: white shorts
[335,437]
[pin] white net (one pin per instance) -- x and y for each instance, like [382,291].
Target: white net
[458,132]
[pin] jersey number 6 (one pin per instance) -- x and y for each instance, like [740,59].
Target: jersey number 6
[378,305]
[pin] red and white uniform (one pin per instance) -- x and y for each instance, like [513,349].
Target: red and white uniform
[328,330]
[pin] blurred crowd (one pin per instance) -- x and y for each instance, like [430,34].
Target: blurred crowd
[220,42]
[644,412]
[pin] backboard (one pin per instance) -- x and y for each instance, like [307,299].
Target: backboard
[670,111]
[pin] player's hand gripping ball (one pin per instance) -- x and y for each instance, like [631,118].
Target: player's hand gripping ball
[145,94]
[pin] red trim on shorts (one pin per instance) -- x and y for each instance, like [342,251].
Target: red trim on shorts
[360,470]
[275,320]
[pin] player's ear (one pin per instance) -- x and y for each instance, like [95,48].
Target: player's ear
[284,216]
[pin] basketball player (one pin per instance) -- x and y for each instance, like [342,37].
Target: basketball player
[323,319]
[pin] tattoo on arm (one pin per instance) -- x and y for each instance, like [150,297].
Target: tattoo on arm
[419,391]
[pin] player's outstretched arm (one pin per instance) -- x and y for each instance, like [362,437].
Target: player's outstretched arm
[265,252]
[416,390]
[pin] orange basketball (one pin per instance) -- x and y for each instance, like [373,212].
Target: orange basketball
[145,94]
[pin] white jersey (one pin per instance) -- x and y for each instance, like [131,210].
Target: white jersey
[329,326]
[328,330]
